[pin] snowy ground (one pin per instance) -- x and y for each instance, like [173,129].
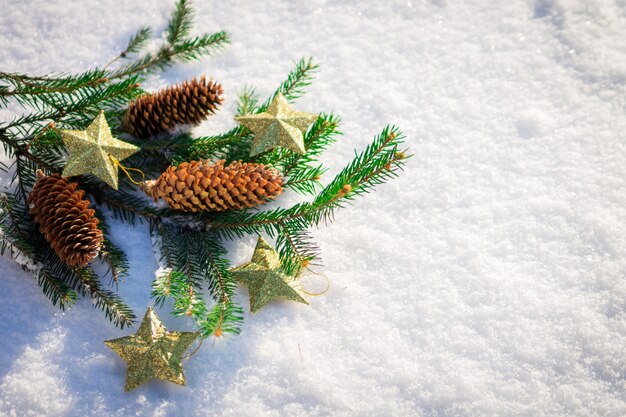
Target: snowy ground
[488,280]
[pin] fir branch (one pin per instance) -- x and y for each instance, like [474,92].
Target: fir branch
[85,281]
[247,101]
[137,41]
[208,147]
[60,282]
[180,22]
[377,163]
[188,299]
[124,203]
[177,45]
[293,87]
[235,144]
[319,137]
[135,44]
[306,180]
[55,288]
[226,316]
[17,233]
[113,255]
[62,83]
[75,110]
[295,246]
[197,257]
[205,45]
[302,177]
[11,235]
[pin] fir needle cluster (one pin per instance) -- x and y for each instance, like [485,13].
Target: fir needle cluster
[196,274]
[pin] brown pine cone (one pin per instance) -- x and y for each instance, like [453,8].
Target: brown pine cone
[188,103]
[200,185]
[65,219]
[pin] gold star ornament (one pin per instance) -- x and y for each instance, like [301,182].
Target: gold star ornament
[153,352]
[264,277]
[281,125]
[95,151]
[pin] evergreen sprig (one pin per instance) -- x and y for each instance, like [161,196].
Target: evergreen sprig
[32,142]
[195,260]
[195,278]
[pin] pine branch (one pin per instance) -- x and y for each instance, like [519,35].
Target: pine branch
[293,87]
[302,177]
[376,164]
[226,316]
[197,259]
[180,22]
[188,299]
[85,281]
[25,85]
[176,47]
[247,101]
[235,144]
[113,255]
[137,41]
[59,282]
[295,246]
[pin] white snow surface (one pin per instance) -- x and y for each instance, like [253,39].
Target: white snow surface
[489,279]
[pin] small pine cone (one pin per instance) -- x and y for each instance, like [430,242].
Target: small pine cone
[188,103]
[65,219]
[200,185]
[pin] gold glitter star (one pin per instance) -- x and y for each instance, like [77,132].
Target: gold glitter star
[264,278]
[281,125]
[153,352]
[94,151]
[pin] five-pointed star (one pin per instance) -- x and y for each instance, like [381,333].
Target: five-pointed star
[153,352]
[264,278]
[281,125]
[94,151]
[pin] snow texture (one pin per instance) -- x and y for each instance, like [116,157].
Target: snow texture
[488,280]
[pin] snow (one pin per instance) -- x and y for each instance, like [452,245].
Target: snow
[487,280]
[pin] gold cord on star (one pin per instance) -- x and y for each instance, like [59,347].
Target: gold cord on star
[311,272]
[126,169]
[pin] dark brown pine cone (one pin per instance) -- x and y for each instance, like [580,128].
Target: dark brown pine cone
[65,219]
[188,103]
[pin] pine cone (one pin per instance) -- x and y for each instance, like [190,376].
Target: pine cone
[199,185]
[188,103]
[65,219]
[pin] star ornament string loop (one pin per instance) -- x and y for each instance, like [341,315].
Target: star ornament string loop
[193,352]
[126,169]
[309,273]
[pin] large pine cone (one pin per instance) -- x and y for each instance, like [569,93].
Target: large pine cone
[199,186]
[65,219]
[188,103]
